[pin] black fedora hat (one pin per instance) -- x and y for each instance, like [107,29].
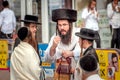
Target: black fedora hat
[63,14]
[88,63]
[30,19]
[22,33]
[86,34]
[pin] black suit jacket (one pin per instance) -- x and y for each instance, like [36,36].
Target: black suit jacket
[91,51]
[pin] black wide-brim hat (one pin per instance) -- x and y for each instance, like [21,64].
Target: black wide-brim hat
[86,34]
[64,14]
[22,33]
[30,19]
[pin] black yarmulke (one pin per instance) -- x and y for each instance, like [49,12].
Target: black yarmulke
[88,63]
[5,3]
[63,14]
[22,33]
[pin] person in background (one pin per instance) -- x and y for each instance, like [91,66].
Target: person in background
[89,66]
[25,61]
[90,17]
[31,22]
[63,44]
[115,63]
[7,22]
[113,66]
[86,38]
[113,13]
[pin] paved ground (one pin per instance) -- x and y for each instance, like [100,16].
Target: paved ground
[4,75]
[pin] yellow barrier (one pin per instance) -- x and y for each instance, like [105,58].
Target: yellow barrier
[3,54]
[109,61]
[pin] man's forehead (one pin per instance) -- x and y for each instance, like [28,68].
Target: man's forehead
[63,20]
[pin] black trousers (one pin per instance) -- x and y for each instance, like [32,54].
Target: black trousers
[5,36]
[115,42]
[97,40]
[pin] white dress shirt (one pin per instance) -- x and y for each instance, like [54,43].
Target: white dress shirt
[7,21]
[73,46]
[90,19]
[94,77]
[114,17]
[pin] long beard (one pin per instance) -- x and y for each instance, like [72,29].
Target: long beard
[33,41]
[66,39]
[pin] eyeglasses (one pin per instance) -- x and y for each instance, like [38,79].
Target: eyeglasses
[64,25]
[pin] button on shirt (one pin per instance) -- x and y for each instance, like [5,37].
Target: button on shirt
[91,20]
[7,21]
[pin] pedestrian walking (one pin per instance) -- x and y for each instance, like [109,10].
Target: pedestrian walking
[7,22]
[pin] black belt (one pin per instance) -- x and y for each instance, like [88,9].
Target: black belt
[5,36]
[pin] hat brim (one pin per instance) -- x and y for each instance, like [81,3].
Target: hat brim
[85,37]
[30,21]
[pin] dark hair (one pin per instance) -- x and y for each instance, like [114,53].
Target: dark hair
[90,2]
[5,4]
[33,41]
[65,38]
[89,40]
[114,55]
